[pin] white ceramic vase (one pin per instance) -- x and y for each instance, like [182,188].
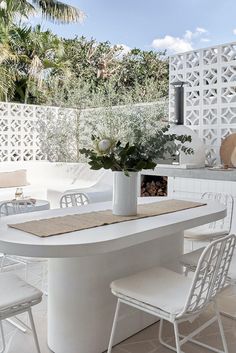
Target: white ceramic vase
[125,194]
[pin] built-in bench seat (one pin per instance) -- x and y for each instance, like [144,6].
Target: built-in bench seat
[49,181]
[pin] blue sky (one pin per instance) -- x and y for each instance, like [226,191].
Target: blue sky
[175,25]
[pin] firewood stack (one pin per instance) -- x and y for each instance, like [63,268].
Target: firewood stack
[154,188]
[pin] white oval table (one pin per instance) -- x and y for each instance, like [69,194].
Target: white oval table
[82,264]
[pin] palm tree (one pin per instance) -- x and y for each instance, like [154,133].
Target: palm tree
[52,10]
[28,57]
[26,54]
[6,73]
[58,11]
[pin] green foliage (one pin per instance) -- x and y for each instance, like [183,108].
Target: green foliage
[29,54]
[127,158]
[39,67]
[137,156]
[109,76]
[53,10]
[45,69]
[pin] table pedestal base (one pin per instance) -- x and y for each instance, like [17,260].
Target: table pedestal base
[80,304]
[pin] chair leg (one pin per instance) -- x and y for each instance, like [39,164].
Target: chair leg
[176,329]
[34,330]
[15,324]
[161,338]
[114,326]
[3,337]
[160,332]
[22,329]
[221,329]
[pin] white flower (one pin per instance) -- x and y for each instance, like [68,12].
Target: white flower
[104,145]
[3,5]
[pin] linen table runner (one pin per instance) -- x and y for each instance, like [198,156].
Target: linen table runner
[71,223]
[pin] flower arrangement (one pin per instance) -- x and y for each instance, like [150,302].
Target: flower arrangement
[109,153]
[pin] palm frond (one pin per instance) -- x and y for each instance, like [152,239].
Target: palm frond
[7,54]
[36,67]
[6,83]
[58,11]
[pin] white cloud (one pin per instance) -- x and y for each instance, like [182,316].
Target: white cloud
[181,44]
[201,30]
[188,35]
[234,31]
[205,40]
[173,44]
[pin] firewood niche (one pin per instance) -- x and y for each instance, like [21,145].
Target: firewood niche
[154,185]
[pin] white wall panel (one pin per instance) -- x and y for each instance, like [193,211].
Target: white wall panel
[210,91]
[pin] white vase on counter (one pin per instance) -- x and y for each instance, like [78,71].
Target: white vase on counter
[125,194]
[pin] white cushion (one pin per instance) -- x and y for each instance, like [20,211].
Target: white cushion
[13,178]
[204,233]
[158,287]
[191,258]
[15,291]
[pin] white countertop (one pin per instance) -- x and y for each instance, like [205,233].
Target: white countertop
[199,173]
[101,239]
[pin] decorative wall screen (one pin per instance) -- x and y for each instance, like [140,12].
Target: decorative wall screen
[18,135]
[32,132]
[210,91]
[20,129]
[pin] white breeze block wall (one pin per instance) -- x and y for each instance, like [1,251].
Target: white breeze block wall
[18,135]
[210,91]
[32,132]
[20,129]
[210,108]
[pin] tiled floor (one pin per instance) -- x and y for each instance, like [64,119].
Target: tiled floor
[147,341]
[144,342]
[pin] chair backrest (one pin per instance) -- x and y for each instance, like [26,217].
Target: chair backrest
[8,208]
[211,274]
[73,200]
[228,201]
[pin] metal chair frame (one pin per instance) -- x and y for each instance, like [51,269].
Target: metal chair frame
[226,200]
[209,279]
[73,199]
[16,206]
[7,313]
[8,208]
[223,224]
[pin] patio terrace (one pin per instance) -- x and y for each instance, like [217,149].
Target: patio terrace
[210,111]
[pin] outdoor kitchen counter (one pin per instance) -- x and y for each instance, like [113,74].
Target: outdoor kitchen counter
[82,264]
[199,173]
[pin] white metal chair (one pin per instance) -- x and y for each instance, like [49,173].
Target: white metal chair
[216,229]
[208,232]
[16,297]
[14,207]
[176,298]
[8,208]
[73,199]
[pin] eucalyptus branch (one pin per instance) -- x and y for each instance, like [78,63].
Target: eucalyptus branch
[109,154]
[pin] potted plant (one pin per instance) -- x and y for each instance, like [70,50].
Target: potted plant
[126,160]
